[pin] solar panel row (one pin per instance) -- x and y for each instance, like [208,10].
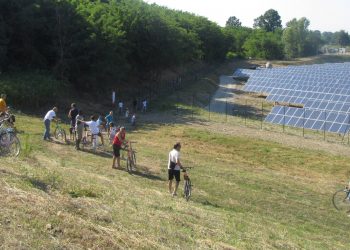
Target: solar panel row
[318,88]
[312,119]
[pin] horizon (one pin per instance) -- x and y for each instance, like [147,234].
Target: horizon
[220,10]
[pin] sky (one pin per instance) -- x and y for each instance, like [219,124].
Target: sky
[324,15]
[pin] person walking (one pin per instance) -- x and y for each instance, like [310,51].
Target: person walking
[79,128]
[118,141]
[50,115]
[174,167]
[73,112]
[109,119]
[144,106]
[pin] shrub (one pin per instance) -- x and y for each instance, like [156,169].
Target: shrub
[30,89]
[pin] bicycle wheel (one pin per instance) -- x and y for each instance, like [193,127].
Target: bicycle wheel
[133,157]
[187,189]
[128,165]
[341,200]
[61,135]
[10,145]
[83,142]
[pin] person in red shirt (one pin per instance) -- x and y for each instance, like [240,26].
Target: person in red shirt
[117,145]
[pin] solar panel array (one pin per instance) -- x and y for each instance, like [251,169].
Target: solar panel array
[322,90]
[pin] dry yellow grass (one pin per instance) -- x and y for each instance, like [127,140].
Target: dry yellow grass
[248,194]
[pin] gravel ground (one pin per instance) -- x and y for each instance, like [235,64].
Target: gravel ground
[223,94]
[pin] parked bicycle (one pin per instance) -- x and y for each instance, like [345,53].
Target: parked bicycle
[187,184]
[341,199]
[131,157]
[9,143]
[60,133]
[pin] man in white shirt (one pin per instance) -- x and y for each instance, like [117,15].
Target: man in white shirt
[121,105]
[174,167]
[50,115]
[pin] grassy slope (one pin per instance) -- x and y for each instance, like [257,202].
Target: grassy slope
[248,194]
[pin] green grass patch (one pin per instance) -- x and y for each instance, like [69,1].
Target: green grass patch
[248,194]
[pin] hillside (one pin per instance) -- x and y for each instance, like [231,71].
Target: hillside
[248,194]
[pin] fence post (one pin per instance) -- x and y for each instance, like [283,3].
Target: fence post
[284,117]
[192,105]
[262,114]
[226,109]
[177,104]
[245,113]
[304,123]
[209,108]
[324,125]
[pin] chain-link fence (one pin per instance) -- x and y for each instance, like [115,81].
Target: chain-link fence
[252,114]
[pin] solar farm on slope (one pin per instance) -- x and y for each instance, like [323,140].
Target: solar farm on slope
[315,97]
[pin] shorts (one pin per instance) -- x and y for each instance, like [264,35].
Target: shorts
[116,150]
[174,173]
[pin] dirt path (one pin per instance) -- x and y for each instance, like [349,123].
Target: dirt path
[223,94]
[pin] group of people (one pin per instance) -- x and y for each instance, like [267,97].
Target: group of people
[96,125]
[117,137]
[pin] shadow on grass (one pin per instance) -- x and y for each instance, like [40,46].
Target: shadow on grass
[145,173]
[103,154]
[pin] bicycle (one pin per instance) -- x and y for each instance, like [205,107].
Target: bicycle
[341,199]
[85,142]
[60,133]
[187,184]
[9,143]
[131,159]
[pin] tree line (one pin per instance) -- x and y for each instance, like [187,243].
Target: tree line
[86,42]
[268,40]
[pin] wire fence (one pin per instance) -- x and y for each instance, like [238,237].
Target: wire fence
[252,114]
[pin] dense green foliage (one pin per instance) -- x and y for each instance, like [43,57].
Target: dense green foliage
[31,89]
[299,40]
[233,22]
[99,45]
[88,42]
[340,38]
[269,22]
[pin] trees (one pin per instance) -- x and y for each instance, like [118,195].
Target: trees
[233,22]
[264,45]
[342,38]
[294,37]
[87,42]
[327,37]
[269,22]
[313,43]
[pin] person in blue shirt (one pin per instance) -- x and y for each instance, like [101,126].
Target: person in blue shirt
[109,119]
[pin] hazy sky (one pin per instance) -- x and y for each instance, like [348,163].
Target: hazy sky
[324,15]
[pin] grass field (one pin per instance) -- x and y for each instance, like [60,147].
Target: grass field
[248,193]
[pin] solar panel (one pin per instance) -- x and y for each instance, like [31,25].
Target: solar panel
[323,90]
[312,119]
